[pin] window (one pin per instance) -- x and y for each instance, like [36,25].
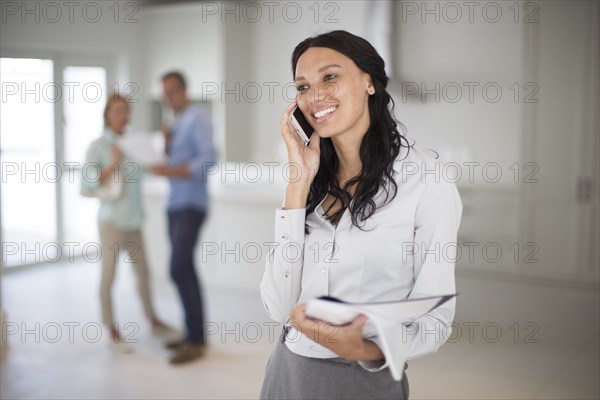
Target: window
[51,111]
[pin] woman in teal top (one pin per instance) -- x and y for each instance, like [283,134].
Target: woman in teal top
[120,218]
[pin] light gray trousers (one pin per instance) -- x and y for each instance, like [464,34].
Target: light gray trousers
[113,242]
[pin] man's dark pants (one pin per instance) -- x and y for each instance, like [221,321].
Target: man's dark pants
[184,228]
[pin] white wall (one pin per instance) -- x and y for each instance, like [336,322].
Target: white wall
[459,55]
[175,38]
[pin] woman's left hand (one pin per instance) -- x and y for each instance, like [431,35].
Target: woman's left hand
[345,340]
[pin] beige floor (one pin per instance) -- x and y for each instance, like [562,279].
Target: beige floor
[548,347]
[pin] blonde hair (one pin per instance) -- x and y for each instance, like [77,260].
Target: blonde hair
[112,99]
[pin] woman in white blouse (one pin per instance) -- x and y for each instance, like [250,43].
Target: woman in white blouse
[367,219]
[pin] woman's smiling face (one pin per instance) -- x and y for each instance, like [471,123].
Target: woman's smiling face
[332,93]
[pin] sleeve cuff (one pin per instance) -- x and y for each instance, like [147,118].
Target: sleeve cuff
[374,366]
[289,225]
[202,167]
[288,252]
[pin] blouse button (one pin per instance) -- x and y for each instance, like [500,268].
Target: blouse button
[284,217]
[287,273]
[285,237]
[324,271]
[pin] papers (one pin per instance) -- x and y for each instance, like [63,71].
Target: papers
[338,312]
[386,321]
[141,148]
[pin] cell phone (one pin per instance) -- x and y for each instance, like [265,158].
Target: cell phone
[303,128]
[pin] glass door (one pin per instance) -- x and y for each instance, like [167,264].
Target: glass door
[29,169]
[83,123]
[52,109]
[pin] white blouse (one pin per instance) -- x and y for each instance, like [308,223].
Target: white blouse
[406,249]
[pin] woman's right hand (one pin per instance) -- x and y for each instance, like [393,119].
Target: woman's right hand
[117,157]
[303,161]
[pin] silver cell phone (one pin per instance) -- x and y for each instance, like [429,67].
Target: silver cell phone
[303,128]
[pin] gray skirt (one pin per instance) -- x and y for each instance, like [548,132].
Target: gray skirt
[292,376]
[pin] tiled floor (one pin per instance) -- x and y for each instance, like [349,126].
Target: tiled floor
[511,341]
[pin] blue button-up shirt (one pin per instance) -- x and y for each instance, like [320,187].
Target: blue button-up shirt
[191,144]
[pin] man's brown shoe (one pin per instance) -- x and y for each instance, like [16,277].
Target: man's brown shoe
[175,344]
[187,352]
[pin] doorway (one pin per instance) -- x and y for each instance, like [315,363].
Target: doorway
[52,109]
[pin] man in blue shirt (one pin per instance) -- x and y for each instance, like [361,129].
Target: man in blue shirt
[190,149]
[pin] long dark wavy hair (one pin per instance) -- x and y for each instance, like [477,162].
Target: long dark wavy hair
[380,145]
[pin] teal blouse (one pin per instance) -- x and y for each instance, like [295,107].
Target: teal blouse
[126,212]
